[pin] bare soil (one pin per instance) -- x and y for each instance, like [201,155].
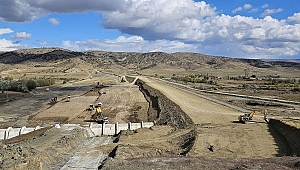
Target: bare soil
[187,128]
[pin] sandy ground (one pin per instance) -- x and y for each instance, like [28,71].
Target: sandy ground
[121,103]
[216,126]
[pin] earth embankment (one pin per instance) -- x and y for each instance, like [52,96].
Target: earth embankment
[286,134]
[163,110]
[174,133]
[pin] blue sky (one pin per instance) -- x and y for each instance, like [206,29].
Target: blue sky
[265,29]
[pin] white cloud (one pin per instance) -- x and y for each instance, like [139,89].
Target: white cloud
[271,11]
[265,6]
[6,45]
[247,6]
[152,20]
[130,44]
[21,35]
[237,9]
[169,26]
[294,18]
[53,21]
[5,31]
[28,10]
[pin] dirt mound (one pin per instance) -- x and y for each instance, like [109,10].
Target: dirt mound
[41,149]
[163,110]
[174,133]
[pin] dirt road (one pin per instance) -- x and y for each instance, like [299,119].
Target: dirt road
[217,127]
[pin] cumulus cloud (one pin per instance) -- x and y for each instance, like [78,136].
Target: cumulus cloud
[151,20]
[53,21]
[19,11]
[6,45]
[22,35]
[247,6]
[169,26]
[271,11]
[129,44]
[294,18]
[237,9]
[5,31]
[28,10]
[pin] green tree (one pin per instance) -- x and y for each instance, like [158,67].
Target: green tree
[31,84]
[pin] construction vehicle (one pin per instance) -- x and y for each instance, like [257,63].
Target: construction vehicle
[98,113]
[68,98]
[247,117]
[90,108]
[105,120]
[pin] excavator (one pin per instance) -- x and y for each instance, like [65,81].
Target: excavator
[246,118]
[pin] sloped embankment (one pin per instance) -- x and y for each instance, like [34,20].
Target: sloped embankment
[163,110]
[286,136]
[166,112]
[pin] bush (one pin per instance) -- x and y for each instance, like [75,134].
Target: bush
[296,89]
[31,84]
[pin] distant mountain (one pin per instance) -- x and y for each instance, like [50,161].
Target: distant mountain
[137,60]
[283,60]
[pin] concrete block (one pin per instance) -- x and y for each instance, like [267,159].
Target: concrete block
[123,126]
[148,124]
[109,129]
[135,126]
[2,134]
[6,135]
[27,130]
[22,130]
[14,132]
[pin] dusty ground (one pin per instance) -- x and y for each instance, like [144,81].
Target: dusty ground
[213,125]
[216,126]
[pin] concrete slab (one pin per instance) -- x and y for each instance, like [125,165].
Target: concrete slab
[27,130]
[87,157]
[2,134]
[14,132]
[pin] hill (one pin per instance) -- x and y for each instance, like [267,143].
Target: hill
[138,61]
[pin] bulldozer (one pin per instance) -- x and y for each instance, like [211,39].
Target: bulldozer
[247,117]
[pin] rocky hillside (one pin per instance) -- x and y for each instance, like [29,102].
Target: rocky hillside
[137,60]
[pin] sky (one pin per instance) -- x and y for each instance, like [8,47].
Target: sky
[264,29]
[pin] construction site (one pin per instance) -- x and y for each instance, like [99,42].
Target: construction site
[110,121]
[154,120]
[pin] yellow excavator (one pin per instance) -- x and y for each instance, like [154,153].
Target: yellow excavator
[246,118]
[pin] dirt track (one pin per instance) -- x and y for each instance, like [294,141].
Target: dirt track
[121,103]
[216,126]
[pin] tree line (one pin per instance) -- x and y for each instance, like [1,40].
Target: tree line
[23,84]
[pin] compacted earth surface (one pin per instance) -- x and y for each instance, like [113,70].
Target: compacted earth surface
[190,132]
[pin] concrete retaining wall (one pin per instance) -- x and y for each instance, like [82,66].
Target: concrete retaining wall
[13,132]
[113,129]
[108,129]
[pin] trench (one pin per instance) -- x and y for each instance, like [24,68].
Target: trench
[165,112]
[286,137]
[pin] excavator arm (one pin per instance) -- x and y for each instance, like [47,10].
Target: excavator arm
[247,117]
